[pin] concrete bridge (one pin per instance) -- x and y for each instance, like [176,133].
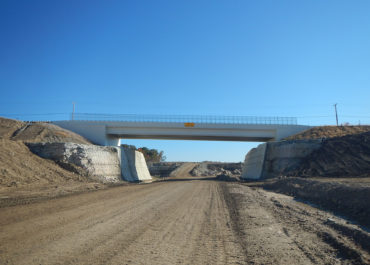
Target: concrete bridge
[109,129]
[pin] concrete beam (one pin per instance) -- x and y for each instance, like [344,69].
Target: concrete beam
[109,132]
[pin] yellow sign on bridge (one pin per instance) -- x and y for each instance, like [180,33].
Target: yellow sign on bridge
[189,124]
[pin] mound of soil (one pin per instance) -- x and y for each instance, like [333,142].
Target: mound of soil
[348,199]
[347,156]
[329,132]
[25,176]
[33,132]
[19,166]
[8,127]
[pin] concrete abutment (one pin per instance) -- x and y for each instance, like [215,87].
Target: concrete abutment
[107,164]
[274,159]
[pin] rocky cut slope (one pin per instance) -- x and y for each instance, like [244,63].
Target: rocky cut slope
[347,156]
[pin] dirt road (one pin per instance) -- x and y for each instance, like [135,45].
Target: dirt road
[177,222]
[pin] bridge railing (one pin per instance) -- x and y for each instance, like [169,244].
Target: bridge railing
[185,118]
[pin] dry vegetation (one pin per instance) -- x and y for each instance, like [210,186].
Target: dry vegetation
[329,132]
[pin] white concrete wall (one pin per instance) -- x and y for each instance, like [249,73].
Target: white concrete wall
[133,165]
[99,163]
[253,163]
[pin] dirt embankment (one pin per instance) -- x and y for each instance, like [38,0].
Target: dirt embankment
[329,132]
[25,176]
[35,132]
[348,198]
[336,175]
[346,156]
[183,171]
[163,169]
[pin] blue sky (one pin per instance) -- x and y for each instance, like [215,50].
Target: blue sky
[263,58]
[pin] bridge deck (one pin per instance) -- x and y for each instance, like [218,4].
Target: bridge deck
[108,129]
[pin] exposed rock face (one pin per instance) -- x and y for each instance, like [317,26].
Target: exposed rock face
[100,163]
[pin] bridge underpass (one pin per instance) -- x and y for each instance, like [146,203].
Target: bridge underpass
[109,129]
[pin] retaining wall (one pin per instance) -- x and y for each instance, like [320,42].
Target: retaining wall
[253,164]
[101,163]
[97,162]
[275,159]
[134,167]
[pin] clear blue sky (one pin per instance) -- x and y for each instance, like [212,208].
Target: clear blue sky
[264,58]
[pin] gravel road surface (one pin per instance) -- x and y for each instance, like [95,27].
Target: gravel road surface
[177,222]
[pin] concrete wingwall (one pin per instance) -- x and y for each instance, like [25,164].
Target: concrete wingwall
[253,164]
[105,164]
[275,159]
[134,167]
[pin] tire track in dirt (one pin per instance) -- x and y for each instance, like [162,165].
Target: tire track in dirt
[201,221]
[284,231]
[156,224]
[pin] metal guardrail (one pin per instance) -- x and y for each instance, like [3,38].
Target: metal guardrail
[185,118]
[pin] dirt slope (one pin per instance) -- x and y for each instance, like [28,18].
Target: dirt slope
[24,175]
[348,198]
[19,166]
[347,156]
[8,127]
[37,132]
[183,170]
[329,132]
[178,222]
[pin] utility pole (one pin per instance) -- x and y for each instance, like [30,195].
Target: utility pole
[73,111]
[336,113]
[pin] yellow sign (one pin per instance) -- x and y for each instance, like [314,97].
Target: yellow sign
[189,124]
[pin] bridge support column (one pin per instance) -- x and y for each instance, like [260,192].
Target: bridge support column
[112,141]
